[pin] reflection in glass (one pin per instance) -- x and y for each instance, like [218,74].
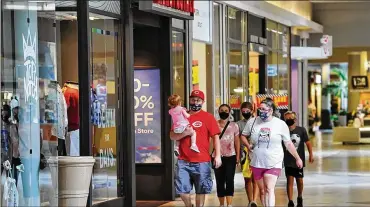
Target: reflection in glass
[235,22]
[104,56]
[283,74]
[178,56]
[253,75]
[272,73]
[217,53]
[236,74]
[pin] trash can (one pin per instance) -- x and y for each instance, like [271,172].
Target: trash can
[71,177]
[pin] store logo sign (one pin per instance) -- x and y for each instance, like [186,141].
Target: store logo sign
[29,58]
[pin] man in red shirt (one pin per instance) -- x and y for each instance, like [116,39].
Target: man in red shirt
[194,168]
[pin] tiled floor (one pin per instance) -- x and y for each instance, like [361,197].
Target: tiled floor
[340,176]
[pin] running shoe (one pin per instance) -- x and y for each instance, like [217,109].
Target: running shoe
[299,202]
[291,203]
[253,204]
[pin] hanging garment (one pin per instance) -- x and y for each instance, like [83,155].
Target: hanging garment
[59,129]
[71,95]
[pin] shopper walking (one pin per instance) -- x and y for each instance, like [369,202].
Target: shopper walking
[230,156]
[266,135]
[194,168]
[251,187]
[299,137]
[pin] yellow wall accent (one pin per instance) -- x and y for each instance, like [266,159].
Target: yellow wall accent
[302,8]
[340,54]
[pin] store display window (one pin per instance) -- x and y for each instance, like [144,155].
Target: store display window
[105,64]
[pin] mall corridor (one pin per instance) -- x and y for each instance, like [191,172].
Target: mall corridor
[340,176]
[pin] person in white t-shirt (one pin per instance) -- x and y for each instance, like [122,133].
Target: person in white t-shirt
[266,134]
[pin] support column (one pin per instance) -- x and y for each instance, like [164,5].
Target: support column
[356,67]
[303,84]
[325,99]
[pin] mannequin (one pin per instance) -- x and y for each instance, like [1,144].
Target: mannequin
[71,95]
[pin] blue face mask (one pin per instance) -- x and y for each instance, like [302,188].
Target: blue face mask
[195,107]
[263,115]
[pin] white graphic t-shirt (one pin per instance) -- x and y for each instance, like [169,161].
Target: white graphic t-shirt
[266,139]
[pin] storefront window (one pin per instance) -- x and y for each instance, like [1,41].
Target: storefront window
[272,73]
[277,68]
[283,74]
[235,22]
[178,57]
[105,62]
[33,118]
[236,74]
[202,70]
[217,54]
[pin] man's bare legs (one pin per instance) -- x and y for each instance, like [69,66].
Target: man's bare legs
[289,187]
[186,198]
[199,200]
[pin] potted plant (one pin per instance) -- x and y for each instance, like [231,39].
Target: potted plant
[342,118]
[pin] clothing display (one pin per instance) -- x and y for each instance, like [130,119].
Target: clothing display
[60,113]
[71,95]
[73,143]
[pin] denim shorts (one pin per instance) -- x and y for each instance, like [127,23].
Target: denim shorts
[197,174]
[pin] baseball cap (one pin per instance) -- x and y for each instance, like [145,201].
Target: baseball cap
[198,94]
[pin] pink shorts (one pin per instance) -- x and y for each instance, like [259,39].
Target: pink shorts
[258,173]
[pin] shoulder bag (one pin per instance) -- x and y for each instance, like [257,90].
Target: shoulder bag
[222,134]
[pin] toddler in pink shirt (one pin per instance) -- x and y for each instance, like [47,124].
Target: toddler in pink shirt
[180,121]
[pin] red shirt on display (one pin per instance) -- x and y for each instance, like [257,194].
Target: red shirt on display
[72,100]
[205,126]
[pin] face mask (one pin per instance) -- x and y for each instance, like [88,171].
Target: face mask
[290,122]
[195,107]
[224,115]
[247,115]
[264,115]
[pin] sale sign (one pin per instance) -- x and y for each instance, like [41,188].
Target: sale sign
[281,100]
[147,100]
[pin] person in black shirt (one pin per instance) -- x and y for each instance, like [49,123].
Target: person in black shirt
[299,137]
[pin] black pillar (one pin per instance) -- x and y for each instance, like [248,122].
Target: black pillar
[84,79]
[126,97]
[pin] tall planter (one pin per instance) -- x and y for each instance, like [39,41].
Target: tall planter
[71,177]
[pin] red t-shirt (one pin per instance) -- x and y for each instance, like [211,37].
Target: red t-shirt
[205,126]
[71,96]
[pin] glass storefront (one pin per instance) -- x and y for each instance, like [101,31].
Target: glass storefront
[278,64]
[105,64]
[40,98]
[237,61]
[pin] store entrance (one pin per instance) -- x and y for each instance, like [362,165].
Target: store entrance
[152,87]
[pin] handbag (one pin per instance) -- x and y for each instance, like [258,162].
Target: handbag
[245,160]
[222,134]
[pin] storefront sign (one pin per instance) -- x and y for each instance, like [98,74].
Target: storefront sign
[202,21]
[177,9]
[272,70]
[327,45]
[281,100]
[235,101]
[360,82]
[147,115]
[258,40]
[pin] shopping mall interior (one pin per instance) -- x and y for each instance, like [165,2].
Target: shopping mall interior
[92,79]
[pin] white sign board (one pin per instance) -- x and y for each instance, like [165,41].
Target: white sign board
[327,45]
[202,27]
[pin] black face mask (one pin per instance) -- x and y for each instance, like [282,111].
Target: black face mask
[247,115]
[195,107]
[290,122]
[224,115]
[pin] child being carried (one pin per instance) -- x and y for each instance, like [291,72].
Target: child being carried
[180,121]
